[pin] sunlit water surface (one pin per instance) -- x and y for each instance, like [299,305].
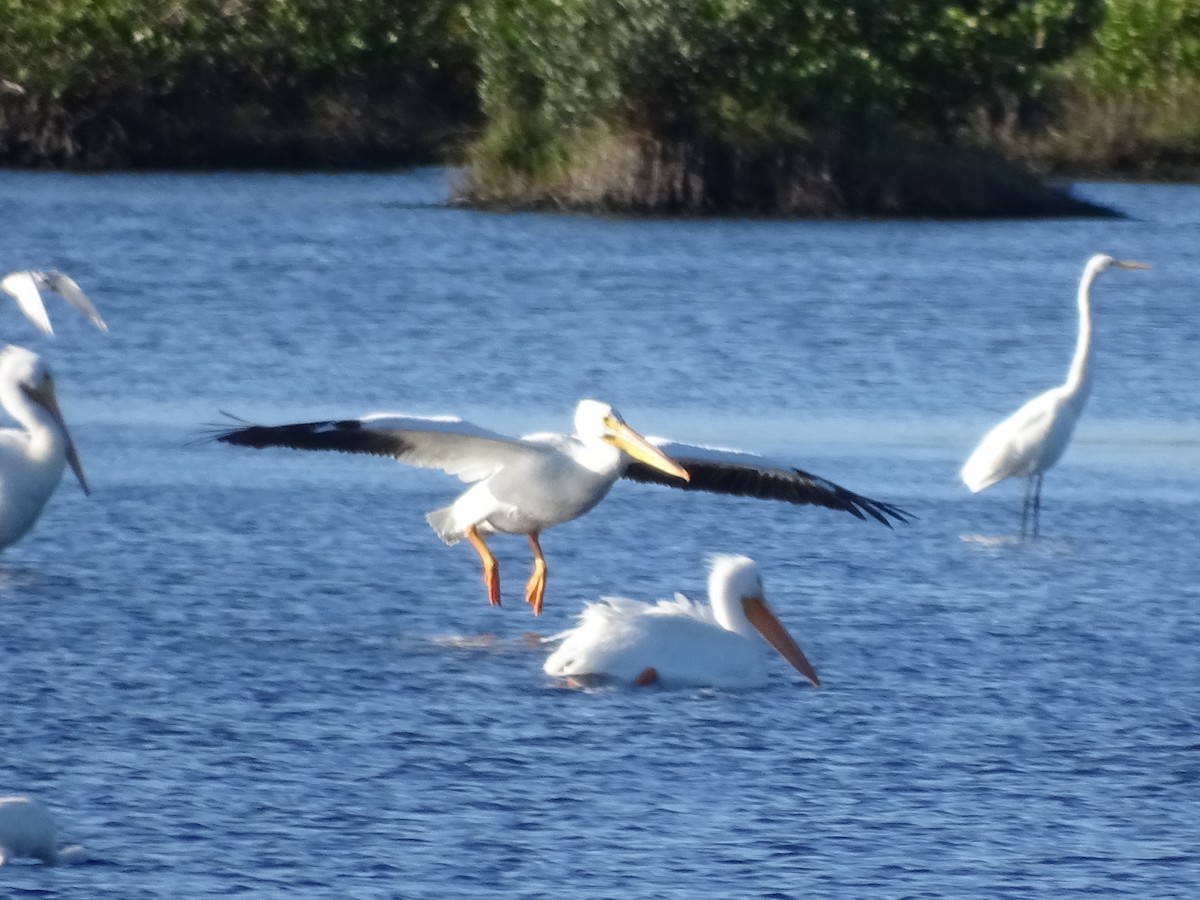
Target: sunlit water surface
[239,673]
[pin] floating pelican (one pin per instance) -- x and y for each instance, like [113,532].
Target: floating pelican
[1033,438]
[26,287]
[32,459]
[525,485]
[680,643]
[27,831]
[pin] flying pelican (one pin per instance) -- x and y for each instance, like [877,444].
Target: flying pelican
[525,485]
[27,831]
[26,288]
[1033,438]
[32,459]
[680,643]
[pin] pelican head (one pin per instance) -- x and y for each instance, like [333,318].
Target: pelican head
[597,421]
[30,374]
[735,590]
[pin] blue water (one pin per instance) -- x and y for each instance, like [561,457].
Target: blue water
[239,673]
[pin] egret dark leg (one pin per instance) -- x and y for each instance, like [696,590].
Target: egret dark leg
[536,587]
[1025,506]
[491,570]
[1037,502]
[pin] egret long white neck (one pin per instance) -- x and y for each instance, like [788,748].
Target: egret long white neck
[1079,377]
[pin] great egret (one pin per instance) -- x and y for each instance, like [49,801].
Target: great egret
[680,643]
[26,288]
[525,485]
[32,458]
[1033,438]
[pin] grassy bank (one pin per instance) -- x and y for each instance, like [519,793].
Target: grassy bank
[638,174]
[1094,134]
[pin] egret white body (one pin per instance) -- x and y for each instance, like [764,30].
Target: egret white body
[27,831]
[32,458]
[1033,438]
[525,485]
[26,288]
[678,643]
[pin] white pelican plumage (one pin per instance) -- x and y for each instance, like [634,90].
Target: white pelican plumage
[26,288]
[32,458]
[1033,438]
[27,831]
[679,643]
[525,485]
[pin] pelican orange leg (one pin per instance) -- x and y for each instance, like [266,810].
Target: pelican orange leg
[491,569]
[535,589]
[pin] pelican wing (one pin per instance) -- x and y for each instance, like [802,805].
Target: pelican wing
[24,289]
[450,444]
[65,287]
[721,471]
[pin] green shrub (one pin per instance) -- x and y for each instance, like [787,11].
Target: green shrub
[1143,47]
[172,76]
[738,80]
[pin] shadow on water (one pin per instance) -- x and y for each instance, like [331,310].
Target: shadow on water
[21,577]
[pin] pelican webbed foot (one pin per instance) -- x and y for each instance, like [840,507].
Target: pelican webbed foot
[535,588]
[491,569]
[646,677]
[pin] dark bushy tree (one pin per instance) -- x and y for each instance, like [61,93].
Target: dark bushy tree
[89,80]
[740,73]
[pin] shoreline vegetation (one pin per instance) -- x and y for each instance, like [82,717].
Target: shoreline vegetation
[809,108]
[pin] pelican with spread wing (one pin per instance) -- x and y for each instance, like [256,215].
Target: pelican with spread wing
[525,485]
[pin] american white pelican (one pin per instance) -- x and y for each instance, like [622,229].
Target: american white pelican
[680,643]
[1033,438]
[27,831]
[32,458]
[26,288]
[525,485]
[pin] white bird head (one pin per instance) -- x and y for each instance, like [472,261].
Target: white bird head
[596,421]
[28,372]
[1102,261]
[735,590]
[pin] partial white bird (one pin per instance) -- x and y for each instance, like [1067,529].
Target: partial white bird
[680,643]
[26,288]
[525,485]
[32,457]
[1033,438]
[27,831]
